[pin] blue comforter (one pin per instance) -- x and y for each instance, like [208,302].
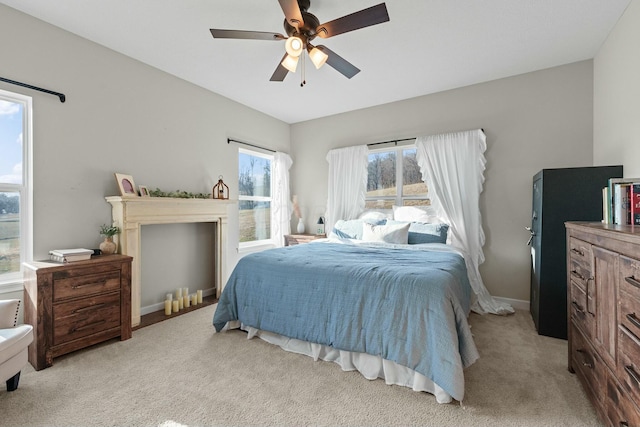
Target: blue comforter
[408,306]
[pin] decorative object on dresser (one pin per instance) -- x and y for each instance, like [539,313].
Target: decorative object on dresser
[296,239]
[108,246]
[70,255]
[603,282]
[75,305]
[559,195]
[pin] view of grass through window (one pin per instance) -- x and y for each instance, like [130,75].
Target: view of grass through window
[383,170]
[11,184]
[254,196]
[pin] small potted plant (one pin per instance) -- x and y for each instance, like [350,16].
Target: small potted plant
[108,246]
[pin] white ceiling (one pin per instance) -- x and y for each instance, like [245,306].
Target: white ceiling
[427,46]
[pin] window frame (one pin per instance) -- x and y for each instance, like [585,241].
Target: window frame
[399,198]
[11,282]
[262,242]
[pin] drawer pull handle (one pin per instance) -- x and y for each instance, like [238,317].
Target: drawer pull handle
[577,251]
[91,307]
[578,275]
[90,325]
[624,424]
[100,283]
[629,334]
[584,356]
[633,319]
[578,307]
[632,373]
[632,280]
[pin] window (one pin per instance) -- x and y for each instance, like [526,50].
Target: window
[15,185]
[387,168]
[254,198]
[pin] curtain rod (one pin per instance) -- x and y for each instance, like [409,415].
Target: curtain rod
[229,141]
[395,141]
[13,82]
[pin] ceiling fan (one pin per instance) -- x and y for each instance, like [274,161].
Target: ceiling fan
[302,27]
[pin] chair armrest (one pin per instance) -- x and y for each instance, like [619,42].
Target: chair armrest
[9,313]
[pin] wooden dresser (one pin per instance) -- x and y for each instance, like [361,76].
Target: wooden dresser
[75,305]
[296,239]
[603,286]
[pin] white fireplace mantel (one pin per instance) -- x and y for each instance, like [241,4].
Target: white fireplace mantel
[129,213]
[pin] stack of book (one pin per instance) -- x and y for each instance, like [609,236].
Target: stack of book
[621,201]
[70,255]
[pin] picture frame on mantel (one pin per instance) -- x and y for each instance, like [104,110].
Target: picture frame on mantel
[126,185]
[144,191]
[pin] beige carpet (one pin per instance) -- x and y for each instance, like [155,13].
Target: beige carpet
[178,373]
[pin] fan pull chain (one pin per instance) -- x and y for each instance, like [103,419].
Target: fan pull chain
[303,80]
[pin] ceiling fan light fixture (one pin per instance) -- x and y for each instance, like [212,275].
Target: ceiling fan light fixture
[318,57]
[290,63]
[294,46]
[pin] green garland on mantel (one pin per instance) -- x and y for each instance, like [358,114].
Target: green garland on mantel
[178,194]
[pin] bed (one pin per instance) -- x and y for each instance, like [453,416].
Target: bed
[396,311]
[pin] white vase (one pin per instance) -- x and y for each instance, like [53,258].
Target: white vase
[300,227]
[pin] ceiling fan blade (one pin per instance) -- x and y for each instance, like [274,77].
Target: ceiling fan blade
[340,64]
[364,18]
[292,12]
[240,34]
[280,73]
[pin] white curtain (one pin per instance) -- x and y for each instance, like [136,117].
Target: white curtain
[452,166]
[280,200]
[347,183]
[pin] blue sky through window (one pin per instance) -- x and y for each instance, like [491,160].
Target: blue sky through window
[10,142]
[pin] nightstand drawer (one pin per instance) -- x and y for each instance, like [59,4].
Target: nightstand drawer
[77,319]
[296,239]
[85,283]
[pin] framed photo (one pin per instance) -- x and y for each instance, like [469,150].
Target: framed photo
[144,191]
[126,185]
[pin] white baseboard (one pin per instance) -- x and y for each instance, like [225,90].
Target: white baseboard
[518,304]
[160,306]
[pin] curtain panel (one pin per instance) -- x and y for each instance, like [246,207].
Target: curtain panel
[280,201]
[347,184]
[452,166]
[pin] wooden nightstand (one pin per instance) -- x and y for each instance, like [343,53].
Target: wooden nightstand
[296,239]
[76,304]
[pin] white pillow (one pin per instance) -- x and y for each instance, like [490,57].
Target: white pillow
[396,233]
[424,214]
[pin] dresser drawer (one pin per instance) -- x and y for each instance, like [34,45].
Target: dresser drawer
[580,262]
[628,363]
[579,310]
[587,364]
[621,411]
[84,282]
[80,318]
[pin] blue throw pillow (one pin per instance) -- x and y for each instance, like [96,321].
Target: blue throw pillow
[420,232]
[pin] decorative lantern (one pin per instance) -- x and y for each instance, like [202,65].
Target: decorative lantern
[220,190]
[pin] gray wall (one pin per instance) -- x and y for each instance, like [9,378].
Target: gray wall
[616,112]
[121,116]
[532,121]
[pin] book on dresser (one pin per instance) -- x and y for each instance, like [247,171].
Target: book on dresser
[70,255]
[635,203]
[619,197]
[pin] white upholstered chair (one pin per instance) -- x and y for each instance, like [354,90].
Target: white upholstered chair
[14,341]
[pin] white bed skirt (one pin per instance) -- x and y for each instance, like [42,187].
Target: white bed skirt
[371,367]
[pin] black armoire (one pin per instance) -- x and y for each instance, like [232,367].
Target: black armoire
[560,195]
